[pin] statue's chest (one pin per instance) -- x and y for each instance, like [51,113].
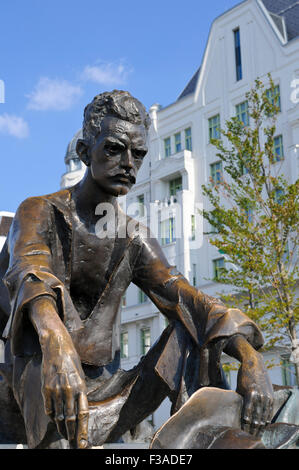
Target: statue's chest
[90,266]
[91,255]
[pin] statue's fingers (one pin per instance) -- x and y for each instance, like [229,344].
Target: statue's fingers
[48,405]
[246,417]
[59,413]
[267,412]
[82,421]
[257,414]
[70,416]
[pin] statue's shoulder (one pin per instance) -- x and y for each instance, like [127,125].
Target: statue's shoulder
[40,206]
[59,198]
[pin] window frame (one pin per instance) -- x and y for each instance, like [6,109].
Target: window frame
[141,206]
[142,297]
[174,187]
[213,174]
[214,127]
[167,147]
[188,139]
[277,157]
[238,54]
[177,143]
[144,347]
[167,227]
[272,95]
[216,274]
[124,345]
[240,113]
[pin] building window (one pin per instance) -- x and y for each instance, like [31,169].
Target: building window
[177,142]
[124,345]
[238,58]
[194,280]
[167,147]
[288,373]
[278,148]
[142,297]
[168,231]
[244,169]
[188,139]
[124,301]
[249,215]
[175,185]
[278,196]
[141,205]
[216,172]
[145,334]
[242,113]
[193,227]
[227,375]
[218,266]
[274,96]
[151,419]
[214,127]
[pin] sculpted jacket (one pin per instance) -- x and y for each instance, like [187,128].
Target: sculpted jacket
[37,260]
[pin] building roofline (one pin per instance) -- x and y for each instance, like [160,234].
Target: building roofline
[7,214]
[283,41]
[204,53]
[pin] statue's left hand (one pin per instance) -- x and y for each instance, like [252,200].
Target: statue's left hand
[255,387]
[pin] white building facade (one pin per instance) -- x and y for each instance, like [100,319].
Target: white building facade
[253,39]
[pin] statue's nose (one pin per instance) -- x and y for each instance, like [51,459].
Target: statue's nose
[127,159]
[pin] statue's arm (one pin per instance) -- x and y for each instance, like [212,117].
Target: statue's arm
[253,384]
[206,318]
[63,383]
[30,280]
[209,321]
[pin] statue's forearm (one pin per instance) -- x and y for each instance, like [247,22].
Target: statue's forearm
[239,348]
[45,319]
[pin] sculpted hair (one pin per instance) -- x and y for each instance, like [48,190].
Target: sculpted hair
[118,103]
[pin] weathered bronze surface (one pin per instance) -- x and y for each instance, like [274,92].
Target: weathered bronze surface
[65,285]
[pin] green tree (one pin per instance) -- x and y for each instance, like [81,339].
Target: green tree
[254,218]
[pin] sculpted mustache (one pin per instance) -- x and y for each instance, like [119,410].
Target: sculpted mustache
[130,177]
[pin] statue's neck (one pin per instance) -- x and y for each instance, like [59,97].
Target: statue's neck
[87,196]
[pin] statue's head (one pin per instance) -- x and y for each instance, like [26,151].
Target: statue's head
[115,132]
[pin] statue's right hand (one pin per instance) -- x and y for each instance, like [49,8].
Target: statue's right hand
[64,389]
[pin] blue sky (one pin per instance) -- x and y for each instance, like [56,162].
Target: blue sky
[55,56]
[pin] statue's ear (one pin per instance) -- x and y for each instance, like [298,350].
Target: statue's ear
[82,149]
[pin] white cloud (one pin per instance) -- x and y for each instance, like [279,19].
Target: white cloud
[53,94]
[14,125]
[108,74]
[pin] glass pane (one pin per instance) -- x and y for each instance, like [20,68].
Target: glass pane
[278,148]
[188,139]
[177,142]
[145,340]
[175,186]
[167,147]
[124,345]
[239,73]
[214,127]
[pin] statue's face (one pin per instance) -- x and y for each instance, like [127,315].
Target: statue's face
[117,154]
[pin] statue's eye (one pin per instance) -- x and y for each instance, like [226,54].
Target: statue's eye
[139,153]
[113,148]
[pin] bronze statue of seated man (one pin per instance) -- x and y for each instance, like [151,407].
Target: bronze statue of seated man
[65,285]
